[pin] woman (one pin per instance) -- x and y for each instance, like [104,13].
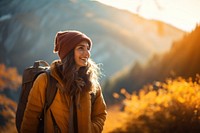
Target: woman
[77,77]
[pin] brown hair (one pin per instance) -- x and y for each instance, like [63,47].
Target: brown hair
[84,79]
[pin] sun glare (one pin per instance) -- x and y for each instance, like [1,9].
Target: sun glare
[183,14]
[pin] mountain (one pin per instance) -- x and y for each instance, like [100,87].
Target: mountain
[181,60]
[28,28]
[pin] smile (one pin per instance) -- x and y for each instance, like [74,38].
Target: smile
[84,59]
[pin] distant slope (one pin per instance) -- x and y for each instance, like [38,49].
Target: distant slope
[28,28]
[181,60]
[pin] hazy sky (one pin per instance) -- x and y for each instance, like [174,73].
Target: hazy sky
[183,14]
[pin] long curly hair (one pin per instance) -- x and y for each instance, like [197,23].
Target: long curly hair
[86,78]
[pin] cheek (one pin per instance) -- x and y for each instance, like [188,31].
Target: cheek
[76,58]
[76,54]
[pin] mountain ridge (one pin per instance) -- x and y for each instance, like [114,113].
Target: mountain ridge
[29,34]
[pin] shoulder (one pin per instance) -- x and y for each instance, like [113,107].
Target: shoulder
[41,78]
[40,83]
[37,93]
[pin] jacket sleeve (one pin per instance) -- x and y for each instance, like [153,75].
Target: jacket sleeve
[98,112]
[34,105]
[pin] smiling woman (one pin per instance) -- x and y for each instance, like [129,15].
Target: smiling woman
[82,54]
[78,106]
[183,14]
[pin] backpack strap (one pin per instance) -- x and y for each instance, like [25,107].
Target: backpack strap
[50,95]
[51,91]
[93,98]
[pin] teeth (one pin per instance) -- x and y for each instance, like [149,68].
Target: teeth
[85,59]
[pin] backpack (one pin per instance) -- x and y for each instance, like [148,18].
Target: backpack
[29,76]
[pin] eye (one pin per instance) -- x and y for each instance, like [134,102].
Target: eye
[80,48]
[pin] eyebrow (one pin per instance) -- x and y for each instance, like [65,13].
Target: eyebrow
[83,45]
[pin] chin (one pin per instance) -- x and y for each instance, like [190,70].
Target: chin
[85,65]
[82,65]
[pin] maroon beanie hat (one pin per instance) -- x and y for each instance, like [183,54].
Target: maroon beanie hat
[65,41]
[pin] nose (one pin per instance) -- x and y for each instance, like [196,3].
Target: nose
[87,53]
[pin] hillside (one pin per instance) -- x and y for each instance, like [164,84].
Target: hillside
[181,60]
[27,30]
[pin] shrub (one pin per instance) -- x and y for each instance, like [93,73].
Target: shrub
[9,78]
[170,107]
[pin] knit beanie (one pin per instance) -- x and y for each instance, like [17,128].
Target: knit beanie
[65,41]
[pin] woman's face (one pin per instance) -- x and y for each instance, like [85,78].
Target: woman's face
[82,54]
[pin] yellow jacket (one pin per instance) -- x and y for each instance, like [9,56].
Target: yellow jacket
[90,118]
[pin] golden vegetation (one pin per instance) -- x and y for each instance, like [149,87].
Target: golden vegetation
[169,107]
[7,115]
[9,78]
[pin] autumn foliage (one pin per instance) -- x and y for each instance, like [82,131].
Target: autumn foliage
[9,78]
[7,115]
[169,107]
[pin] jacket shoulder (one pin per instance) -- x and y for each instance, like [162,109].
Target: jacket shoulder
[39,86]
